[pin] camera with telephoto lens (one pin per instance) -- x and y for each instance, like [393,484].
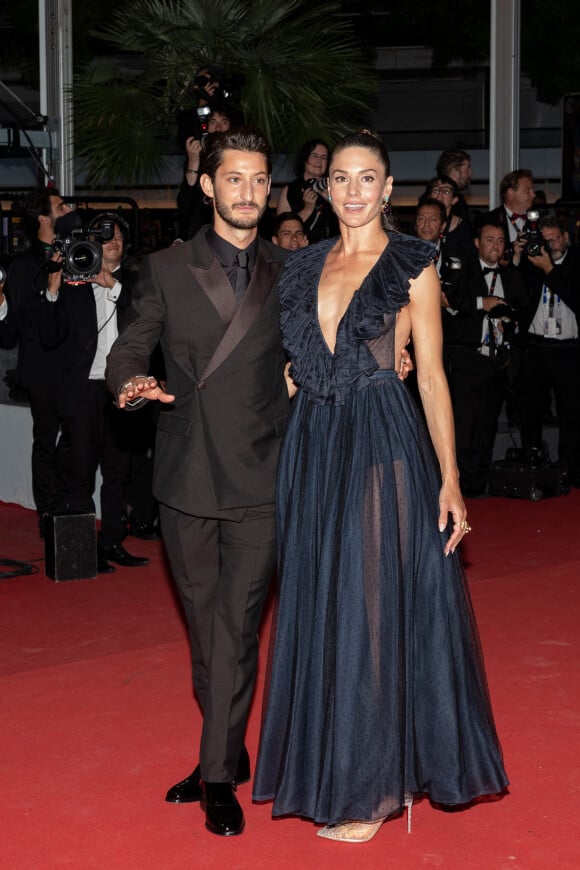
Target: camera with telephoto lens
[318,185]
[452,281]
[532,234]
[81,249]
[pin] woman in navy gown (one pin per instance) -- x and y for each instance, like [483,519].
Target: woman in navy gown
[377,689]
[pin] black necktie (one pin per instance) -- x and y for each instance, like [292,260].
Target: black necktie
[243,273]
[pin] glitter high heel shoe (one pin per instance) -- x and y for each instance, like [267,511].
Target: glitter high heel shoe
[351,831]
[355,831]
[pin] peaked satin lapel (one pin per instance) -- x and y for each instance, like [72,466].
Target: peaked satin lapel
[216,286]
[263,278]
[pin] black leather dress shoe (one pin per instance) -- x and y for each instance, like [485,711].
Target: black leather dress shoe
[189,790]
[117,553]
[147,531]
[103,566]
[223,814]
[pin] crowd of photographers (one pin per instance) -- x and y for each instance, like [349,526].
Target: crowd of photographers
[510,296]
[510,285]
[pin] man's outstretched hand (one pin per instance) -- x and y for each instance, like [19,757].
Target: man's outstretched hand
[139,388]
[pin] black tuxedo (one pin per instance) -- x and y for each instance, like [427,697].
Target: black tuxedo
[39,369]
[93,427]
[477,383]
[551,363]
[215,463]
[69,325]
[499,215]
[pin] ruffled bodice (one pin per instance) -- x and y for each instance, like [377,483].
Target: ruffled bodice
[329,377]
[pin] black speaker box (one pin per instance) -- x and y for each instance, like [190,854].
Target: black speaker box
[70,546]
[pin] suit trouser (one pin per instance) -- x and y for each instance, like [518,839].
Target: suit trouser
[477,392]
[97,437]
[548,365]
[222,570]
[47,477]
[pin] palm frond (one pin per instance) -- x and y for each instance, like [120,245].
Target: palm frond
[304,74]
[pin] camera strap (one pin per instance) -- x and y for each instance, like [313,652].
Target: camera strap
[109,318]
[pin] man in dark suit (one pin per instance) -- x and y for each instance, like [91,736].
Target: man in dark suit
[551,348]
[82,321]
[38,369]
[456,165]
[477,348]
[213,305]
[517,194]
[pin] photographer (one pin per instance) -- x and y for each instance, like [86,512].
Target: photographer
[307,195]
[213,94]
[193,210]
[517,194]
[82,322]
[479,345]
[549,328]
[39,370]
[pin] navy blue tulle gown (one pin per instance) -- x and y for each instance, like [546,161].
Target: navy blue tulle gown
[376,686]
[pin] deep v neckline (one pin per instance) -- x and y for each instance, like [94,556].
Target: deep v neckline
[332,353]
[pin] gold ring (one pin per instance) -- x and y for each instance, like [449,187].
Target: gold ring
[465,527]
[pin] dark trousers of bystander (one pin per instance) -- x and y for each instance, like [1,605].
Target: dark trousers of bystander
[549,364]
[97,437]
[49,457]
[477,392]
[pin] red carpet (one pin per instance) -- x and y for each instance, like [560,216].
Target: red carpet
[98,718]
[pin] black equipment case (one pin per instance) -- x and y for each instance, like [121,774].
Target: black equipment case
[515,477]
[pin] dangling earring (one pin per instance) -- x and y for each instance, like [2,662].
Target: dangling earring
[386,207]
[329,198]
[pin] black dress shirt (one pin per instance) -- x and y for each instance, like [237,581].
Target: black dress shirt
[227,253]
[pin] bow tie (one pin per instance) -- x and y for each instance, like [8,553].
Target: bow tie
[488,269]
[518,217]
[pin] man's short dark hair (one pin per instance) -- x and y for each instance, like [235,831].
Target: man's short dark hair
[425,199]
[488,220]
[283,217]
[451,159]
[244,139]
[512,179]
[34,204]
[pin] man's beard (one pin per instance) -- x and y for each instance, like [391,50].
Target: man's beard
[243,222]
